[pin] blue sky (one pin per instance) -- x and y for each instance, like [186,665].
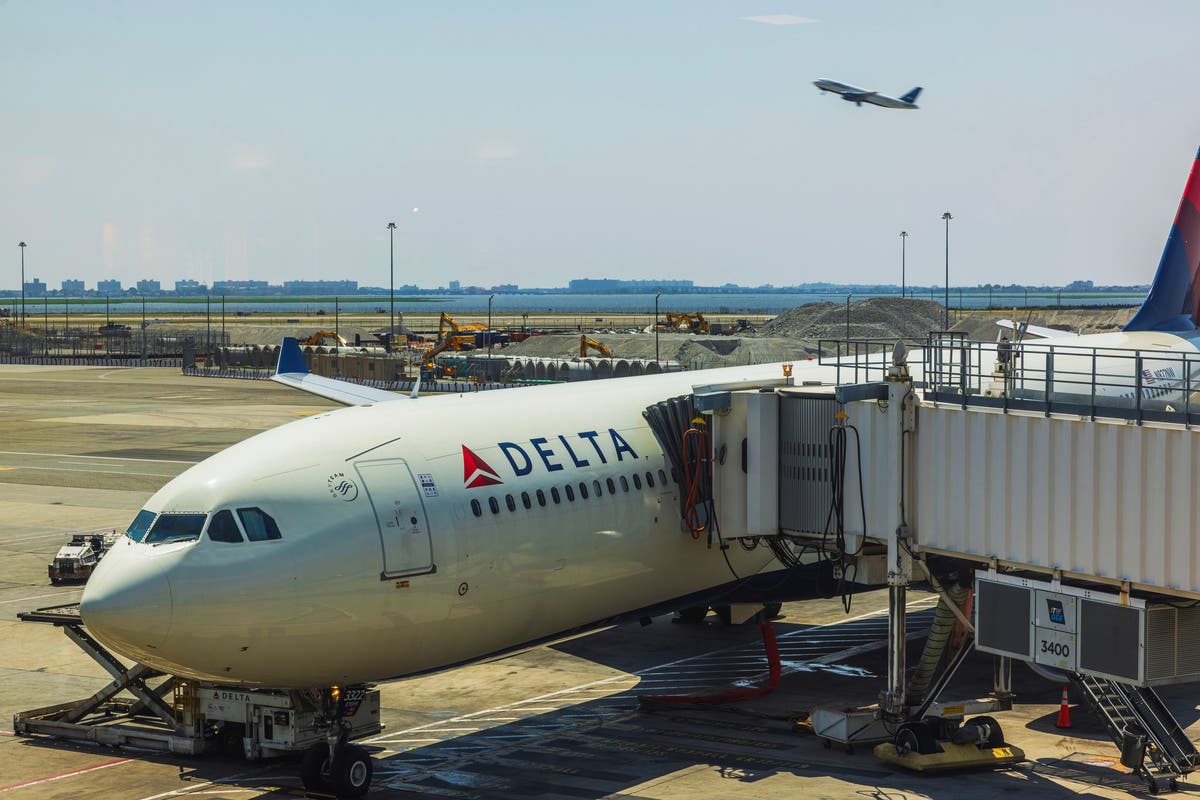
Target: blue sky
[549,140]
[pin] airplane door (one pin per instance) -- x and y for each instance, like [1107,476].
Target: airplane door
[400,514]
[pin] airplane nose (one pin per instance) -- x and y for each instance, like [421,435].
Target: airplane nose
[127,605]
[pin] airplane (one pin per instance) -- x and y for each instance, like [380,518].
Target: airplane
[859,96]
[402,535]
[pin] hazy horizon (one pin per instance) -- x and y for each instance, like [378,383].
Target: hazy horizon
[543,141]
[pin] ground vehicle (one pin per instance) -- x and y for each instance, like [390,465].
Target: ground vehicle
[585,344]
[76,560]
[318,339]
[685,323]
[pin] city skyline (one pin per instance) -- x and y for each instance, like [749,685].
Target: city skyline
[682,138]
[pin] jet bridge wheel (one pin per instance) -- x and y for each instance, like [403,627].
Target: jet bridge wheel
[915,737]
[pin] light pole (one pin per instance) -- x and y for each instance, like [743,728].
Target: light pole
[391,285]
[656,356]
[947,216]
[903,240]
[22,246]
[848,296]
[489,335]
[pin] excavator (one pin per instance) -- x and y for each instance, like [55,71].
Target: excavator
[318,339]
[450,337]
[685,323]
[586,344]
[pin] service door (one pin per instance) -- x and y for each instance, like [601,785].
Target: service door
[400,513]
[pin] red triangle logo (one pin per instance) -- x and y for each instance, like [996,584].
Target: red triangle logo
[477,472]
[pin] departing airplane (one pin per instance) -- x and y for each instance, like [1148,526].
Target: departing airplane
[405,534]
[859,96]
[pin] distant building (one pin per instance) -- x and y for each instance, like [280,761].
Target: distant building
[505,288]
[455,286]
[190,287]
[320,287]
[71,286]
[149,286]
[609,285]
[35,288]
[241,287]
[109,287]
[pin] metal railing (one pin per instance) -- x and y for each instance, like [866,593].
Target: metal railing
[1057,378]
[866,360]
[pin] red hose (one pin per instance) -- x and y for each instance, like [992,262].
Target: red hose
[693,475]
[733,695]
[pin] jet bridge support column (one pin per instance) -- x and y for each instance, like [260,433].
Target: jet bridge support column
[901,420]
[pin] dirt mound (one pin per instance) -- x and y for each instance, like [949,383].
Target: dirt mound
[876,318]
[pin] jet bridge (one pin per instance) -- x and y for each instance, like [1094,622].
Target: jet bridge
[1061,476]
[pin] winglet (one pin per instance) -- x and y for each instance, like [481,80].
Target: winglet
[416,390]
[291,360]
[1173,302]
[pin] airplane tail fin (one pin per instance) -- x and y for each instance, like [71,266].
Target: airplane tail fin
[1173,303]
[291,360]
[911,97]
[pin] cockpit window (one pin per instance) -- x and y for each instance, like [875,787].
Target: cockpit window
[223,528]
[175,528]
[140,525]
[259,525]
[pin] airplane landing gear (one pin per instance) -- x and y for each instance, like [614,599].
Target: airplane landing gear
[336,766]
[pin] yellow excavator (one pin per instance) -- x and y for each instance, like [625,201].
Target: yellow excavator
[586,344]
[685,323]
[318,339]
[450,337]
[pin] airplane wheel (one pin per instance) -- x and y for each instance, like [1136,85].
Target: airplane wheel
[314,769]
[352,771]
[995,736]
[691,616]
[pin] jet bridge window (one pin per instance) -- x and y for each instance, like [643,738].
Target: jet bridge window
[259,526]
[223,528]
[140,526]
[175,528]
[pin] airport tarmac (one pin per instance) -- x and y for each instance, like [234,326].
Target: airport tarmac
[82,448]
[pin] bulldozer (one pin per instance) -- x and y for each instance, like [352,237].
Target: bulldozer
[586,344]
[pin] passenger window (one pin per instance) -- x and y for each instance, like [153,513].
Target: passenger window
[525,501]
[175,528]
[554,495]
[260,527]
[662,476]
[612,487]
[541,496]
[570,494]
[583,491]
[624,484]
[476,509]
[140,526]
[596,488]
[510,502]
[493,505]
[637,481]
[223,528]
[649,480]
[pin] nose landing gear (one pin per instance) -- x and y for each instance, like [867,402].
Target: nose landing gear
[335,766]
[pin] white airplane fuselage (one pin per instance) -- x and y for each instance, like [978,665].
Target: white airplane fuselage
[384,568]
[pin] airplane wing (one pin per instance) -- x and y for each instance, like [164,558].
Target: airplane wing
[291,370]
[1034,331]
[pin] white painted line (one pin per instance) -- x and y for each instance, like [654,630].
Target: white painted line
[39,596]
[101,471]
[98,458]
[72,774]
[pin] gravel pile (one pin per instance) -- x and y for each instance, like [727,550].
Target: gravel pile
[877,318]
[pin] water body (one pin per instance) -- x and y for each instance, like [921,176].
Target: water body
[508,304]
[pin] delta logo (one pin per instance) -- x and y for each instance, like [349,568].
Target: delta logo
[476,471]
[551,455]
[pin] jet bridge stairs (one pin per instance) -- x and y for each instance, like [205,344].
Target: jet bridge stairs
[1062,478]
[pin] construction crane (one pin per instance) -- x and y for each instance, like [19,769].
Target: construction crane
[586,344]
[685,323]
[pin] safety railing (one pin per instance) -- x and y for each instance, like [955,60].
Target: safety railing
[1059,378]
[866,360]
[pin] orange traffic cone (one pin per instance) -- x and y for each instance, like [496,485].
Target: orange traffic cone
[1064,712]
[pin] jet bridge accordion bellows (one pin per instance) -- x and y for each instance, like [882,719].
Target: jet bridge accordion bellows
[669,420]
